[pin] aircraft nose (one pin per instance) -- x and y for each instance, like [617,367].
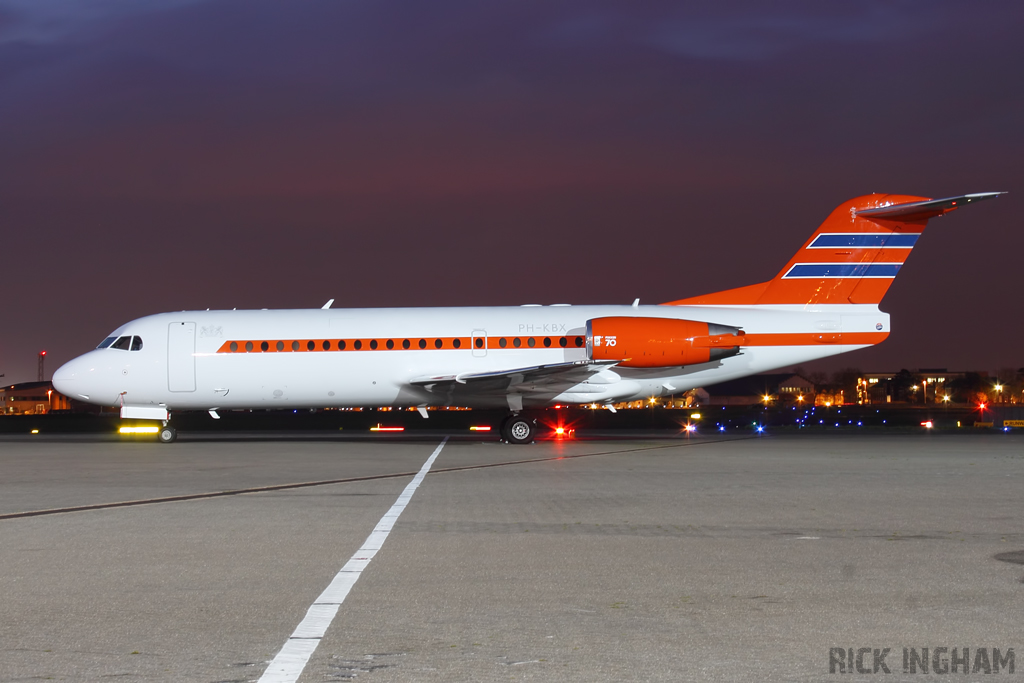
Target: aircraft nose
[68,379]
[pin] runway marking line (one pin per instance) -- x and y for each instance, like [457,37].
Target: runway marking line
[347,480]
[288,664]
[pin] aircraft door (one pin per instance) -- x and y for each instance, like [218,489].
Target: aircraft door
[181,358]
[479,343]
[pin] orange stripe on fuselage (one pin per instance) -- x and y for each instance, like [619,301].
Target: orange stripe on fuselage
[398,344]
[812,338]
[571,342]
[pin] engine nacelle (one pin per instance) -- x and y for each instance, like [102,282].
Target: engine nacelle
[660,342]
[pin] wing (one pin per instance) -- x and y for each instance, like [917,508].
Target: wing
[569,373]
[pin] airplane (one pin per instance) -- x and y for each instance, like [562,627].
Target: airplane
[515,358]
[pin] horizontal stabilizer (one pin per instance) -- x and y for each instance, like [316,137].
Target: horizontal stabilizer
[919,211]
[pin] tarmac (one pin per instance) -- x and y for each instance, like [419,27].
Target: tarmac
[673,559]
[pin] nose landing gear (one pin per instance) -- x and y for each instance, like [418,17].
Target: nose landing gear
[167,434]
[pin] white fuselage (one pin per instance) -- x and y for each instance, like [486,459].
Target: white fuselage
[167,372]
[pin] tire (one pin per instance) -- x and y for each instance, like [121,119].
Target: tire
[520,430]
[167,435]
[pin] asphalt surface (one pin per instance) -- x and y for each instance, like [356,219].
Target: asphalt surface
[661,560]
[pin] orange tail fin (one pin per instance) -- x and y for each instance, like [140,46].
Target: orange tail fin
[852,258]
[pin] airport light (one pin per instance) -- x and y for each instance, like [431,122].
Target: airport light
[138,430]
[694,416]
[927,424]
[945,399]
[479,429]
[800,398]
[691,428]
[766,398]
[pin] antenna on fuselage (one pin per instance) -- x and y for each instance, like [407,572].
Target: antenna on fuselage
[327,305]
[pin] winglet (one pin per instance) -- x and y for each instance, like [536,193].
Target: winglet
[920,211]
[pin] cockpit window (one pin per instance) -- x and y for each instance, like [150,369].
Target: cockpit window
[106,342]
[122,343]
[136,343]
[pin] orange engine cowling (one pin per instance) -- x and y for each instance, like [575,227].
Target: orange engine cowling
[660,342]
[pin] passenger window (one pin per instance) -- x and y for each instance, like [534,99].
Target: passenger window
[341,344]
[327,345]
[456,342]
[563,342]
[579,341]
[280,346]
[248,346]
[423,343]
[136,343]
[310,345]
[390,344]
[295,346]
[502,343]
[106,342]
[479,343]
[234,346]
[373,344]
[438,343]
[547,341]
[358,344]
[531,342]
[406,344]
[122,343]
[516,342]
[264,346]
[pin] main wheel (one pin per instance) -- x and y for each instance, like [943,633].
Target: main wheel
[520,430]
[167,434]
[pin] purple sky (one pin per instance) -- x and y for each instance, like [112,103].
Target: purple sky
[183,154]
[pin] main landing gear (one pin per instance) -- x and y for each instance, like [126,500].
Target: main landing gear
[518,429]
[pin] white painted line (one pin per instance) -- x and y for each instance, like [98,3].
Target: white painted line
[288,664]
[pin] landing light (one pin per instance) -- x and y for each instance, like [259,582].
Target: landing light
[138,430]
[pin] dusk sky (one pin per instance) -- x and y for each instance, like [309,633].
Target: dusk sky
[190,154]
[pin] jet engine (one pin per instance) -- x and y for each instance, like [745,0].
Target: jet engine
[660,342]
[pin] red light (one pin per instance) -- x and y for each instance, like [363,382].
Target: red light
[560,430]
[42,353]
[982,406]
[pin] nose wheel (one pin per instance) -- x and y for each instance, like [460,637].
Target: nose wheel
[167,434]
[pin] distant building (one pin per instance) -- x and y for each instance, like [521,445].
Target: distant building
[930,385]
[761,389]
[32,398]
